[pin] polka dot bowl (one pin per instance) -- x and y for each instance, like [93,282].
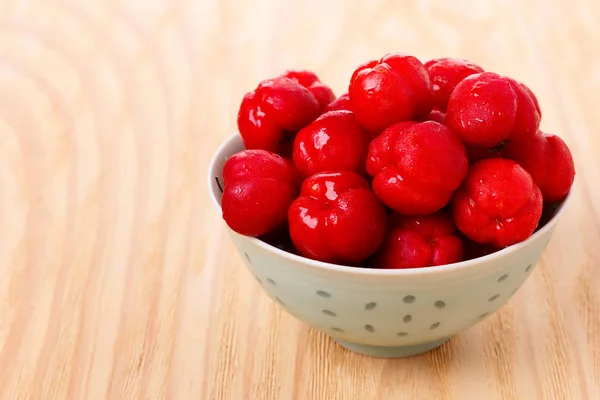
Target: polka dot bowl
[385,313]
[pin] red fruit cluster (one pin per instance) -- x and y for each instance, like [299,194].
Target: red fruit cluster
[278,108]
[417,165]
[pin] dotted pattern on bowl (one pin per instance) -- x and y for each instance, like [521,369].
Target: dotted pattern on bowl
[405,322]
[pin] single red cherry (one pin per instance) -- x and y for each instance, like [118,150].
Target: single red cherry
[419,241]
[533,97]
[445,74]
[528,117]
[333,142]
[487,109]
[341,103]
[498,203]
[393,89]
[259,187]
[416,166]
[337,218]
[311,81]
[270,116]
[548,160]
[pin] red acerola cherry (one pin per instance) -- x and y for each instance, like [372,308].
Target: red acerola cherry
[419,241]
[341,103]
[529,115]
[393,89]
[337,219]
[445,74]
[498,203]
[416,166]
[270,116]
[549,162]
[533,97]
[333,142]
[259,187]
[311,81]
[487,109]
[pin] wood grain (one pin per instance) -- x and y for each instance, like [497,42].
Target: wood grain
[117,279]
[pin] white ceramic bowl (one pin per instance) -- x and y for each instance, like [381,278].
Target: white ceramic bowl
[385,313]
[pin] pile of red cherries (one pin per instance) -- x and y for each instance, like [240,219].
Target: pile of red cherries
[417,165]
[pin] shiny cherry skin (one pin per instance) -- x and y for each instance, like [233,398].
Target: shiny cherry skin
[259,187]
[487,109]
[548,160]
[416,166]
[445,73]
[393,89]
[529,115]
[311,81]
[498,203]
[270,116]
[419,241]
[341,103]
[337,218]
[333,142]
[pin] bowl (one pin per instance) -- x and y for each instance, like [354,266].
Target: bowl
[385,313]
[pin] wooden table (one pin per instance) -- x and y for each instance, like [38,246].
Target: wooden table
[117,279]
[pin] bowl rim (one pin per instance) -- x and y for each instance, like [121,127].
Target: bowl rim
[346,269]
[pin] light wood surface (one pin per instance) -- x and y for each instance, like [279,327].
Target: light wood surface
[117,279]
